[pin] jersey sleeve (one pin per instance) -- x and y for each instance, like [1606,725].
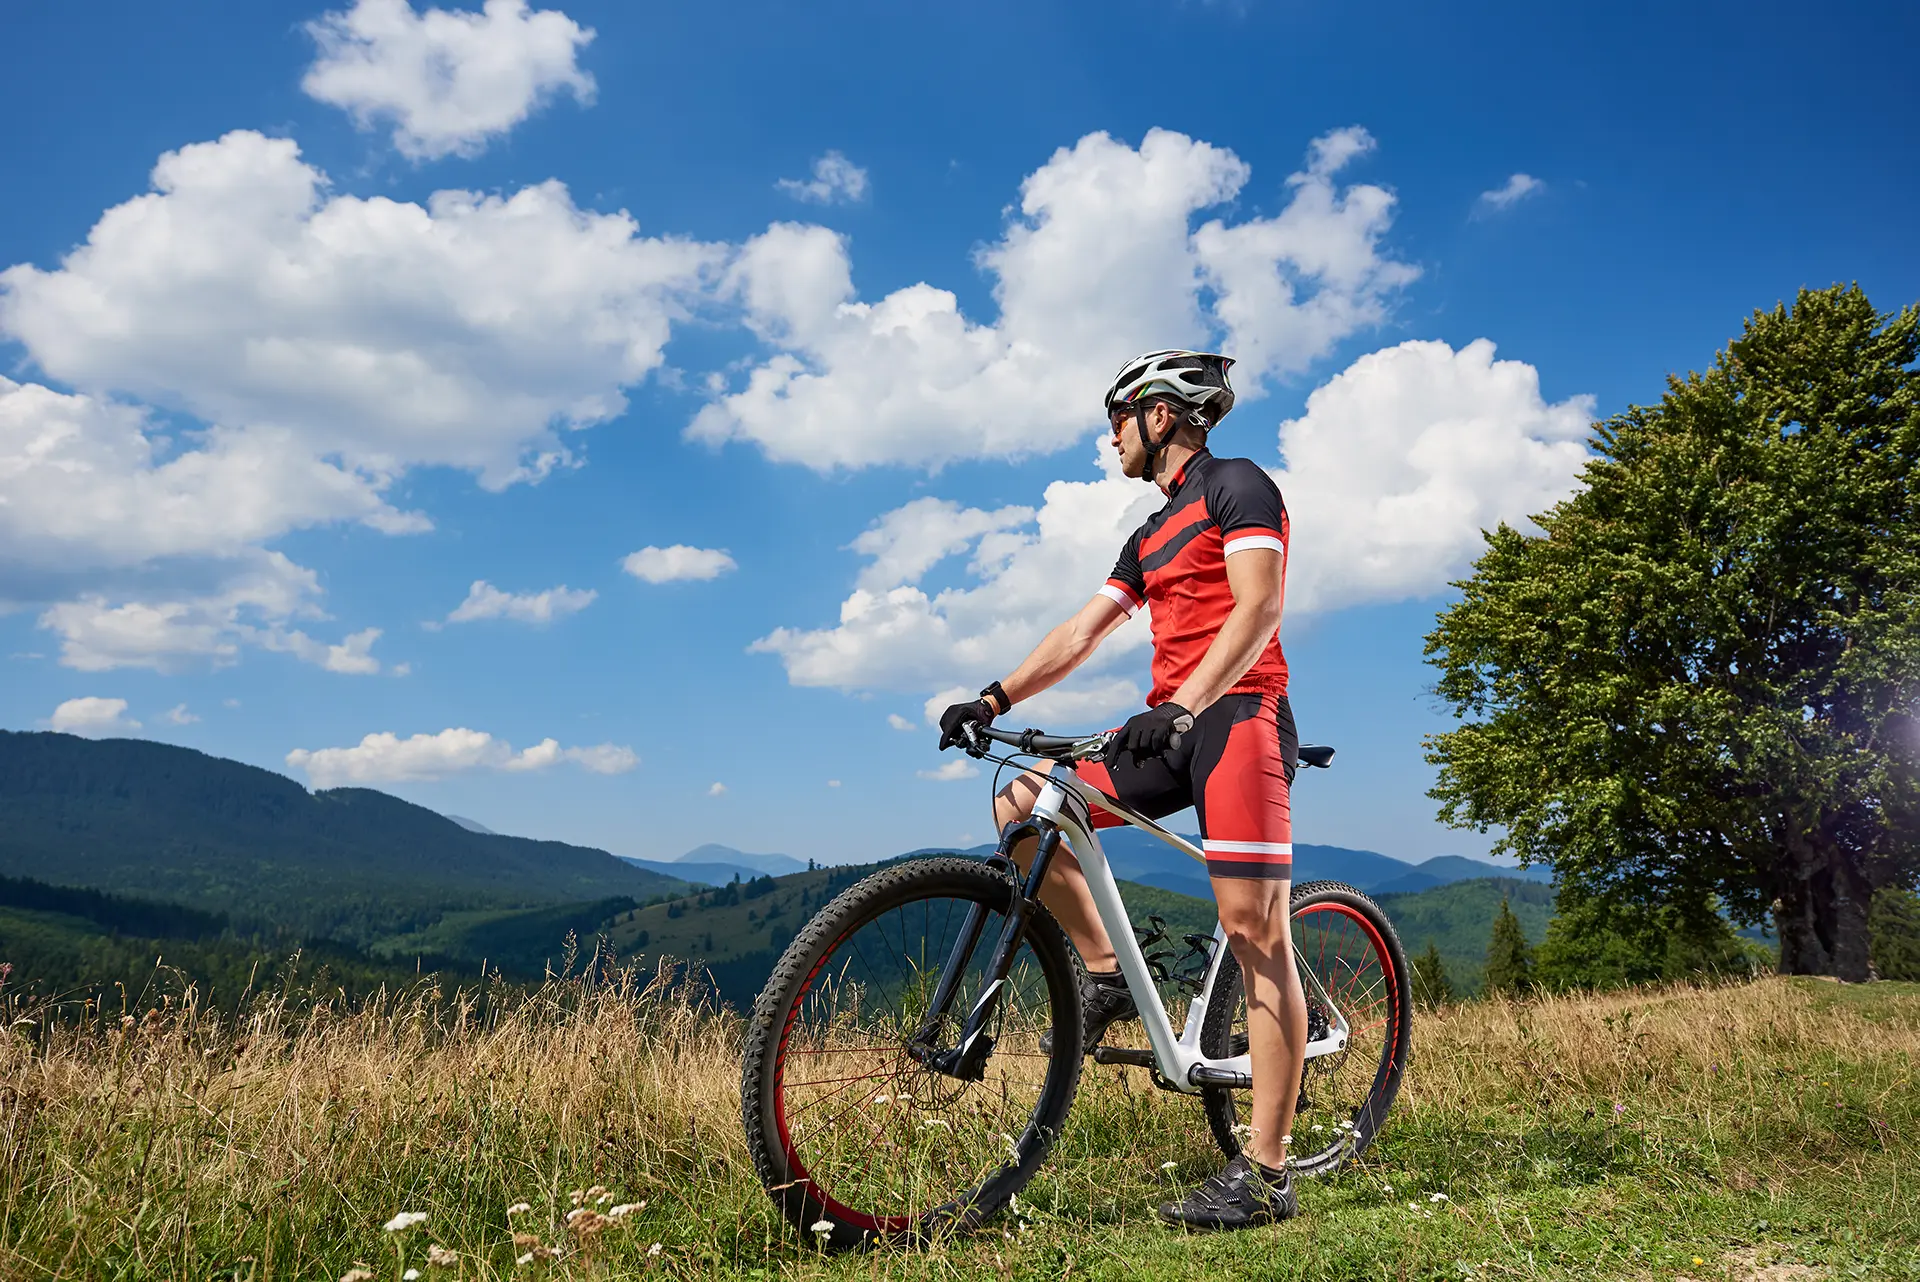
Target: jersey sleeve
[1246,505]
[1127,586]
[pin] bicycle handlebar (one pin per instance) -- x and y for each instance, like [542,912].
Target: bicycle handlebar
[1066,747]
[1079,747]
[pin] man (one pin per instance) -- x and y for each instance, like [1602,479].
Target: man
[1212,564]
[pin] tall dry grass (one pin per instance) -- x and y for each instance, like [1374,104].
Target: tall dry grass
[276,1144]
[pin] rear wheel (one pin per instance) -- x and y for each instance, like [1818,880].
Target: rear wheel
[1343,939]
[847,1127]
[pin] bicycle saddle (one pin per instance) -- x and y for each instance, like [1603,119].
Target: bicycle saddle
[1313,754]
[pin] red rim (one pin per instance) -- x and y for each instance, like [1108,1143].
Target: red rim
[797,1171]
[1391,994]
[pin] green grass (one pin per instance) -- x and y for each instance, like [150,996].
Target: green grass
[1617,1136]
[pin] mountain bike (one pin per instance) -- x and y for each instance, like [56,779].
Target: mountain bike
[912,1058]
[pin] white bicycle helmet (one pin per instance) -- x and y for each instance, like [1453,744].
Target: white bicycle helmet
[1196,380]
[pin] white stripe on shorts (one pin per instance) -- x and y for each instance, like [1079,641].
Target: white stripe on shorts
[1248,847]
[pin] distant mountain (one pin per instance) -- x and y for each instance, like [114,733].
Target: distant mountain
[473,825]
[1444,870]
[1140,856]
[770,865]
[149,819]
[699,874]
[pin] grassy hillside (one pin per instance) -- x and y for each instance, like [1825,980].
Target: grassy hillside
[526,942]
[1459,918]
[112,950]
[172,824]
[737,932]
[1766,1130]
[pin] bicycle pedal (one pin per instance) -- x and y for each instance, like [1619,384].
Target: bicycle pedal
[1122,1055]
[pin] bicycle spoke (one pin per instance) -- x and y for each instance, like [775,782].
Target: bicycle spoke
[876,1132]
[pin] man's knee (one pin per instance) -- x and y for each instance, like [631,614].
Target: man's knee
[1254,916]
[1015,801]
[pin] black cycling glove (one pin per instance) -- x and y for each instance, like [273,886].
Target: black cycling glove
[1150,733]
[954,720]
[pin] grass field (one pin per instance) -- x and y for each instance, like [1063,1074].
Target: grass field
[1764,1131]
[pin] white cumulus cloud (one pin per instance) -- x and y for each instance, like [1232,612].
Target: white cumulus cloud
[386,758]
[1507,195]
[958,768]
[385,333]
[1401,459]
[716,789]
[1102,260]
[1390,474]
[92,715]
[448,81]
[836,180]
[87,484]
[331,343]
[679,562]
[899,722]
[353,656]
[484,601]
[179,716]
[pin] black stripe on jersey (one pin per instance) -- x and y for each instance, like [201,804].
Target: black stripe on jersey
[1173,546]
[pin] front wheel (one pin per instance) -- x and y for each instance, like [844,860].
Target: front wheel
[1346,944]
[853,1136]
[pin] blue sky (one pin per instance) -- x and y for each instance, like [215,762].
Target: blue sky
[300,389]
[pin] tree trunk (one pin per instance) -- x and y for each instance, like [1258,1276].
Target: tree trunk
[1821,913]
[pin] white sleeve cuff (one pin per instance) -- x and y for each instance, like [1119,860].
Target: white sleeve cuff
[1254,541]
[1124,601]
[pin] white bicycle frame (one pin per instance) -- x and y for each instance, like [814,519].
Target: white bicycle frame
[1069,803]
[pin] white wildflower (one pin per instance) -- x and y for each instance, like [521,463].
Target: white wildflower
[883,1099]
[411,1275]
[524,1260]
[1436,1197]
[519,1208]
[654,1249]
[822,1227]
[576,1213]
[934,1121]
[1168,1166]
[625,1209]
[439,1257]
[404,1221]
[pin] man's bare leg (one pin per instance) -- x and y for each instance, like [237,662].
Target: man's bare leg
[1254,912]
[1065,890]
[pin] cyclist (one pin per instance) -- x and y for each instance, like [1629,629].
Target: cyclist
[1212,564]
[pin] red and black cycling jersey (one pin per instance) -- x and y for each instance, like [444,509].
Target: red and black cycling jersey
[1177,563]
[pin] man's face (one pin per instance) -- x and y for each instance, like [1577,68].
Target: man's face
[1125,425]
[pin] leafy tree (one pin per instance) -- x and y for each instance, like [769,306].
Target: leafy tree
[1894,924]
[1700,680]
[1431,987]
[1597,943]
[1509,957]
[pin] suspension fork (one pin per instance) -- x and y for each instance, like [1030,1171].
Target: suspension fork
[967,1058]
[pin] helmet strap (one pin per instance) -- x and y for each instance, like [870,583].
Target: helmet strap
[1152,447]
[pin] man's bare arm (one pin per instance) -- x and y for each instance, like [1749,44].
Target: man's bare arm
[1257,577]
[1065,648]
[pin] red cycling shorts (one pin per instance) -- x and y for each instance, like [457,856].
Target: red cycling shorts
[1234,767]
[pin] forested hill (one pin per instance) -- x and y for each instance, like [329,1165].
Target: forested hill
[168,823]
